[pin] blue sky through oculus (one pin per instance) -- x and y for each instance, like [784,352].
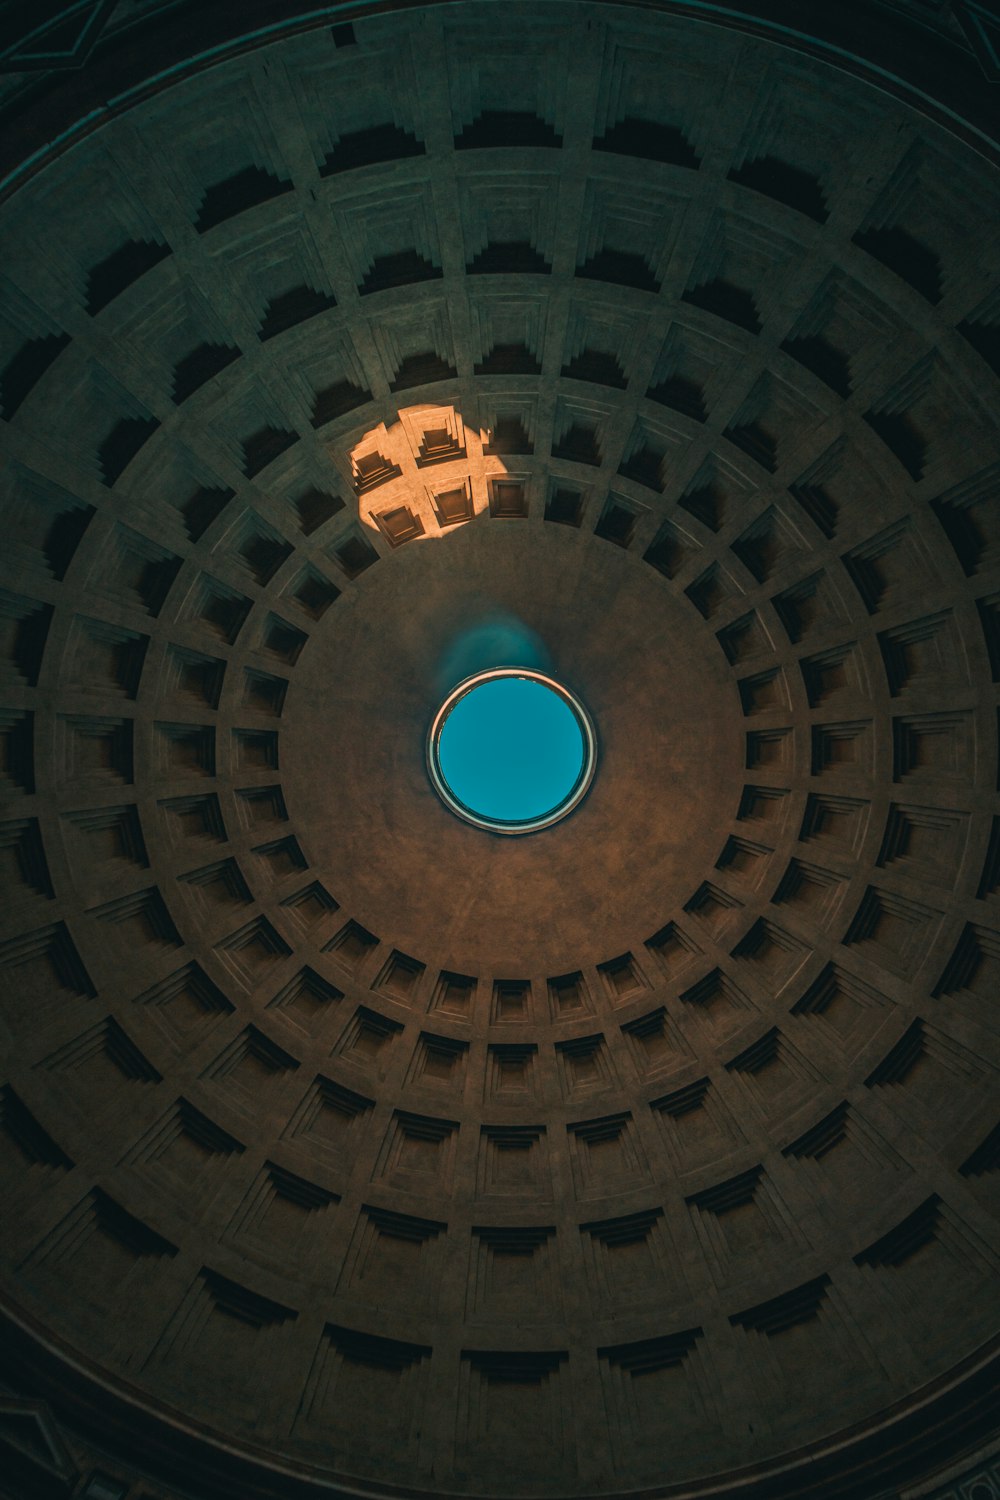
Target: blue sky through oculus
[511,749]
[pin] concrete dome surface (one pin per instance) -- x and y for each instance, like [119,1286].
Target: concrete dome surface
[349,1148]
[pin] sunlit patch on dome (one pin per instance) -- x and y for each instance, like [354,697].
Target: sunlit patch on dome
[427,474]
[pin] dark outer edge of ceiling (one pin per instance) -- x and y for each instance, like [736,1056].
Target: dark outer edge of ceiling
[936,1428]
[926,70]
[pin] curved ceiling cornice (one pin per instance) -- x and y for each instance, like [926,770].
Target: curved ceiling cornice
[71,69]
[657,1151]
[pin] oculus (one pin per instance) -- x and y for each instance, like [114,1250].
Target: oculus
[511,750]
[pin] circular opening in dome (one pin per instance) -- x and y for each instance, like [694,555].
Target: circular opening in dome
[511,750]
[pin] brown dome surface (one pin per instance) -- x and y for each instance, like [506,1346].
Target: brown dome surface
[670,769]
[348,1147]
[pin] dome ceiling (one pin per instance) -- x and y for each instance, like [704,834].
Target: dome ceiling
[653,1151]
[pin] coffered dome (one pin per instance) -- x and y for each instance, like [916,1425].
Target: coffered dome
[352,1147]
